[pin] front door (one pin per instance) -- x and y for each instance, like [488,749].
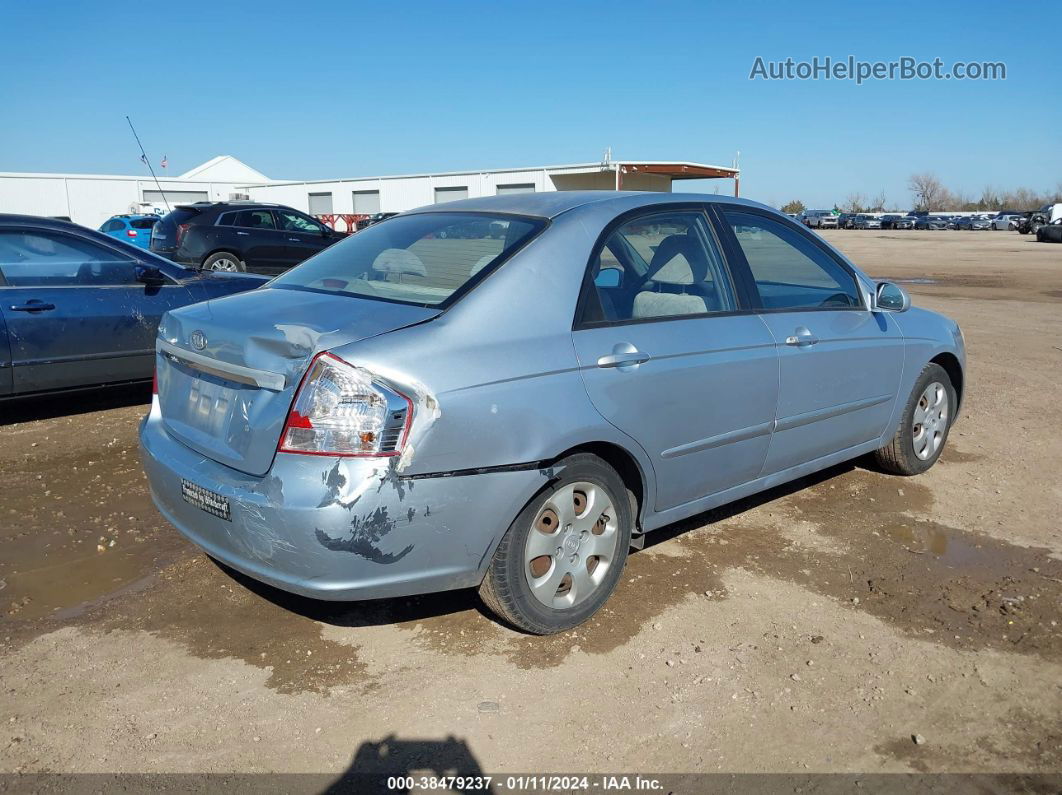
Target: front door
[666,359]
[75,313]
[838,363]
[303,237]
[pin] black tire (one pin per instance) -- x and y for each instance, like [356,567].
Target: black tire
[213,262]
[506,590]
[899,456]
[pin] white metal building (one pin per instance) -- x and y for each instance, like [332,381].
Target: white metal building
[90,199]
[367,195]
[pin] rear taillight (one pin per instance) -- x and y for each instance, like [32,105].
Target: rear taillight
[130,232]
[181,229]
[343,410]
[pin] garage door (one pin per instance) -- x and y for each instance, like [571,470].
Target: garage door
[366,202]
[450,194]
[523,187]
[175,196]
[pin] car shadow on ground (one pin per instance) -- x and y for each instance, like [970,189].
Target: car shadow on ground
[381,612]
[374,763]
[68,404]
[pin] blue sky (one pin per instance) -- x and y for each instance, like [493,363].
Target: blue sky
[303,91]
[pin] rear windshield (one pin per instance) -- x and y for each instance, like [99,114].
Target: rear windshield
[414,259]
[143,223]
[180,216]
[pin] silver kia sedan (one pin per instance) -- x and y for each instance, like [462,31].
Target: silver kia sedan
[509,392]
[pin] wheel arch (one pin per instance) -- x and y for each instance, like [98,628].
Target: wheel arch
[625,464]
[951,365]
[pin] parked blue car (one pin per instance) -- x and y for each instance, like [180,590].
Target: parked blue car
[507,392]
[132,229]
[80,309]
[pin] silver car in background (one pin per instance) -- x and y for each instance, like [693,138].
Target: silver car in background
[508,392]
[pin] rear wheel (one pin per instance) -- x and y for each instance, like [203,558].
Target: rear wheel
[224,261]
[563,555]
[923,430]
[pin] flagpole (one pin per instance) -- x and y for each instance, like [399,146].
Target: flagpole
[147,162]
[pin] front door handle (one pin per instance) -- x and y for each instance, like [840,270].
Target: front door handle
[243,233]
[801,337]
[294,240]
[32,306]
[624,356]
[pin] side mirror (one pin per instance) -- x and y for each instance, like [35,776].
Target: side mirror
[889,297]
[149,274]
[608,278]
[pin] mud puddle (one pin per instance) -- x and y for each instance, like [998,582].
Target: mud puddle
[948,585]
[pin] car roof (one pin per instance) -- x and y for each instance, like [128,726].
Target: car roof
[550,204]
[14,219]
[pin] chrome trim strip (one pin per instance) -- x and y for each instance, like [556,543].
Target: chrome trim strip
[740,435]
[233,372]
[798,420]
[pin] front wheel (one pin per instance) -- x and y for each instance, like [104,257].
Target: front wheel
[224,261]
[561,558]
[923,430]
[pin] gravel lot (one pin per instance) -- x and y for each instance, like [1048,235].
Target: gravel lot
[818,627]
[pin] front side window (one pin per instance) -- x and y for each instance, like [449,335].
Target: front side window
[415,259]
[658,266]
[293,222]
[790,271]
[51,259]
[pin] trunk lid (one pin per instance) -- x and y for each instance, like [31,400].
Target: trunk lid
[228,369]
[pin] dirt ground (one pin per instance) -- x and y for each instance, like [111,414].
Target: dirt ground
[817,627]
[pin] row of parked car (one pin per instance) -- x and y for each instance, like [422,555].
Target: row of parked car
[1045,223]
[236,236]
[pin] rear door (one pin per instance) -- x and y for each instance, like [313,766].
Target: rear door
[75,313]
[838,363]
[669,358]
[258,240]
[303,237]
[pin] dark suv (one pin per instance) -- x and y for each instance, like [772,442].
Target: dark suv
[240,236]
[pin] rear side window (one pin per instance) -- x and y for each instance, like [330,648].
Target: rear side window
[790,271]
[416,259]
[663,265]
[255,219]
[52,259]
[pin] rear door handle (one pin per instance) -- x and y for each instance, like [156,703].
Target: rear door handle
[801,337]
[621,359]
[624,355]
[243,233]
[32,306]
[294,240]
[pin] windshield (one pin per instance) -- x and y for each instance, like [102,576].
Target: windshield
[415,259]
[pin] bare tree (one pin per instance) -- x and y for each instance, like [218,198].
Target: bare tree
[877,204]
[854,203]
[928,191]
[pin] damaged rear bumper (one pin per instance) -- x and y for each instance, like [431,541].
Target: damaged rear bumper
[338,528]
